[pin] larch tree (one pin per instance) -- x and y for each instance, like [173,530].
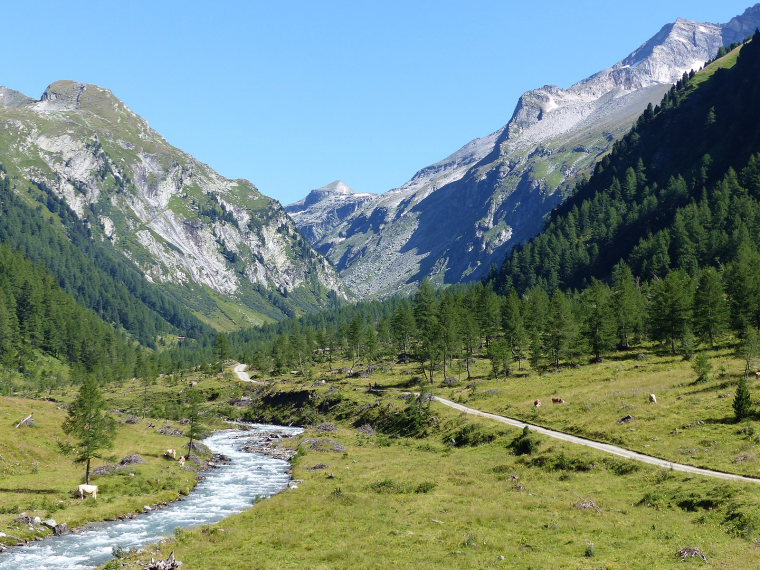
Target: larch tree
[92,428]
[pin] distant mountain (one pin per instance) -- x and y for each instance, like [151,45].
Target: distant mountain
[458,217]
[325,208]
[681,190]
[215,245]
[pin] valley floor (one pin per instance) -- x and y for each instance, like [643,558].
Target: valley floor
[458,496]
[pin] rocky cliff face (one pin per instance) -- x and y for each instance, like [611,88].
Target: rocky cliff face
[456,218]
[325,208]
[218,242]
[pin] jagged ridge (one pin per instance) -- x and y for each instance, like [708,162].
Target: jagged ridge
[455,219]
[226,249]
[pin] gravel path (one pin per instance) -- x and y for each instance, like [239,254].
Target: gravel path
[243,375]
[606,447]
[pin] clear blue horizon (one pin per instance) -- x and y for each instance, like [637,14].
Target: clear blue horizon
[293,95]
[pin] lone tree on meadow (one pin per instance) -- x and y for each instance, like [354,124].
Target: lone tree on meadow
[194,417]
[88,423]
[742,400]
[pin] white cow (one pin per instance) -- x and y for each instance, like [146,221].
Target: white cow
[182,461]
[652,399]
[88,490]
[171,453]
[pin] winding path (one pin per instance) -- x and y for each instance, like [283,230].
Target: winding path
[243,375]
[606,447]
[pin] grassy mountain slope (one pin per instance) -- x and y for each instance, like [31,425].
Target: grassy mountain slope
[218,246]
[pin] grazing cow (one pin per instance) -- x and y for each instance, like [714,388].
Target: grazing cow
[182,461]
[88,490]
[558,401]
[652,399]
[171,453]
[537,403]
[757,374]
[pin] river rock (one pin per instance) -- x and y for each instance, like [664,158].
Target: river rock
[198,447]
[61,529]
[50,523]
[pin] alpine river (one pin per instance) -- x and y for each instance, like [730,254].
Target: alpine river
[229,489]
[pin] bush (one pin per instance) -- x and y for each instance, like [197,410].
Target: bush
[562,462]
[525,443]
[471,435]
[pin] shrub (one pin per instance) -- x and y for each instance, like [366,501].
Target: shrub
[425,487]
[471,435]
[525,443]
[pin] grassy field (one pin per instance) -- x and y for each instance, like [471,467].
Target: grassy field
[36,478]
[421,504]
[459,497]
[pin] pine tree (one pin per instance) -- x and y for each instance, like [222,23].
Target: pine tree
[403,327]
[749,349]
[428,326]
[628,305]
[499,355]
[194,418]
[599,323]
[89,424]
[562,329]
[743,285]
[702,367]
[710,307]
[742,400]
[670,307]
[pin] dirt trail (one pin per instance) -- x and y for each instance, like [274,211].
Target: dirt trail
[243,375]
[606,447]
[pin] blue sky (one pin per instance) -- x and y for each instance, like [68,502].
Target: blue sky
[295,94]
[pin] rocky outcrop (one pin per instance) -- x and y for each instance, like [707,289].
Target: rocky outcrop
[184,225]
[325,208]
[456,218]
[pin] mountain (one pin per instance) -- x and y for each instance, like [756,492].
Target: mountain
[324,208]
[218,246]
[680,191]
[455,219]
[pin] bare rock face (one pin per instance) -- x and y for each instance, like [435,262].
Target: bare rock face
[456,218]
[325,208]
[179,221]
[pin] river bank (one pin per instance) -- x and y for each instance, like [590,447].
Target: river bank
[240,479]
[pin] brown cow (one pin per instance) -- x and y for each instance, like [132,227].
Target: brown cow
[558,401]
[537,403]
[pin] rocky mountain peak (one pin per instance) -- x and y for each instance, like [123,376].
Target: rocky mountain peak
[743,26]
[11,98]
[455,218]
[338,187]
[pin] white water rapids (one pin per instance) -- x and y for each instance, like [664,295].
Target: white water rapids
[226,490]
